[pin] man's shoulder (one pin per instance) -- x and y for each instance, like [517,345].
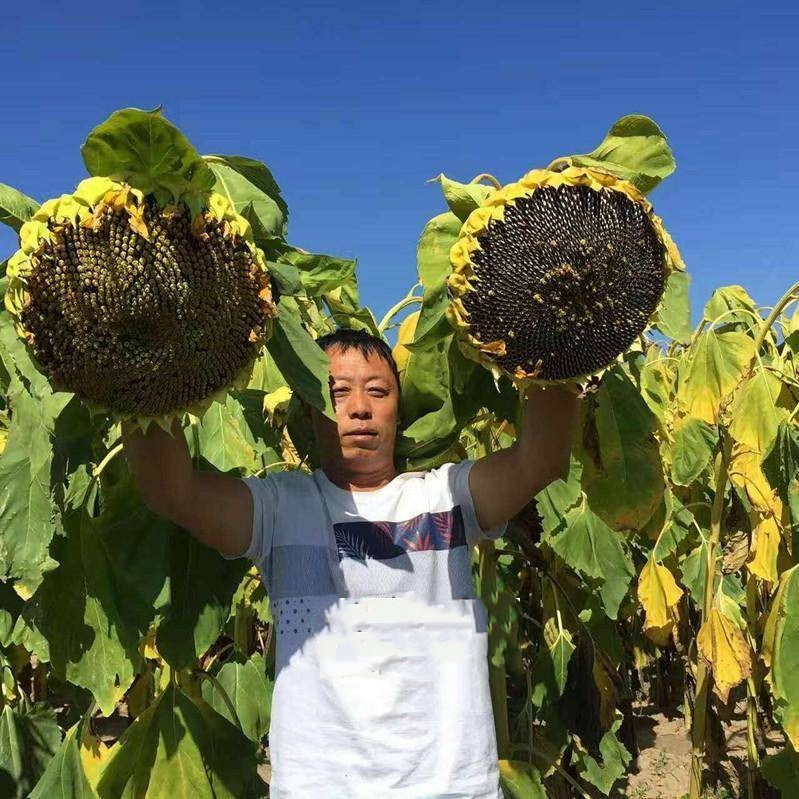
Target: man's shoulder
[284,480]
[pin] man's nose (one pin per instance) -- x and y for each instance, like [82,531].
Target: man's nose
[359,406]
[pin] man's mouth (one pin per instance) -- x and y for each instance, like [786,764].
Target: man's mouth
[359,433]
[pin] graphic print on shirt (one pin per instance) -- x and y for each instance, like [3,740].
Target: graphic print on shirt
[384,540]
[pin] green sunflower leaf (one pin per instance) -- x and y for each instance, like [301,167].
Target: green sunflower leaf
[673,317]
[147,151]
[180,747]
[635,149]
[16,208]
[28,740]
[250,692]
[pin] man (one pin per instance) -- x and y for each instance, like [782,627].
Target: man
[381,653]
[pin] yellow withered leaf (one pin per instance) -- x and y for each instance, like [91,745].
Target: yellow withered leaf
[723,647]
[712,372]
[659,595]
[277,402]
[755,414]
[93,754]
[765,549]
[745,472]
[405,335]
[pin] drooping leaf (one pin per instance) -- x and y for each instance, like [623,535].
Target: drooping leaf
[202,585]
[551,667]
[732,306]
[622,472]
[756,416]
[405,335]
[635,149]
[691,449]
[723,647]
[659,595]
[426,384]
[711,371]
[520,780]
[18,362]
[673,317]
[84,618]
[678,526]
[656,380]
[580,706]
[694,573]
[436,241]
[28,740]
[559,497]
[781,653]
[499,598]
[64,777]
[320,274]
[250,691]
[247,199]
[225,438]
[301,361]
[782,770]
[26,511]
[593,549]
[146,150]
[765,549]
[615,759]
[463,198]
[781,467]
[260,176]
[179,748]
[16,208]
[746,472]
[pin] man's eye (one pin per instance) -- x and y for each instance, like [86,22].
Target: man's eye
[378,392]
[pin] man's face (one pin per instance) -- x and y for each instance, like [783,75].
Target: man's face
[366,401]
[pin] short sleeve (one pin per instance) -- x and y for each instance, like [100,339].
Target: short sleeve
[264,499]
[455,479]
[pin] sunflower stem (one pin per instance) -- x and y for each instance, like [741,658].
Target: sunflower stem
[789,296]
[489,178]
[98,470]
[409,299]
[703,672]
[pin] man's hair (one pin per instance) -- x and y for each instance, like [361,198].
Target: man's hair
[364,342]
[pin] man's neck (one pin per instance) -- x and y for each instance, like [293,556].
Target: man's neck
[343,476]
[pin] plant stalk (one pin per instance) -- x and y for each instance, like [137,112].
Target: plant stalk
[788,297]
[703,673]
[409,299]
[496,674]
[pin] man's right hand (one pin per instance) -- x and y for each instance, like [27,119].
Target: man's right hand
[215,508]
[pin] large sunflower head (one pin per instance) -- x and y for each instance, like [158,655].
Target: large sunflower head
[555,276]
[143,311]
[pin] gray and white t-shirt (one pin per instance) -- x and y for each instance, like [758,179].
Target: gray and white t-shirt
[381,668]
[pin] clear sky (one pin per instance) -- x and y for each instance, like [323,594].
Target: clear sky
[354,106]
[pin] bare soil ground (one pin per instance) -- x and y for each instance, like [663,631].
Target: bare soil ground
[662,769]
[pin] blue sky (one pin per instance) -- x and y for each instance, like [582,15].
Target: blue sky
[354,106]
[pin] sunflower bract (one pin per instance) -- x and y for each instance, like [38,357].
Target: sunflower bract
[555,279]
[140,309]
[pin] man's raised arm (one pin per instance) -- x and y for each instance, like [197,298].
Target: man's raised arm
[503,482]
[215,508]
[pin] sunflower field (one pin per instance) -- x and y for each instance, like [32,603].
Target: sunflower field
[658,578]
